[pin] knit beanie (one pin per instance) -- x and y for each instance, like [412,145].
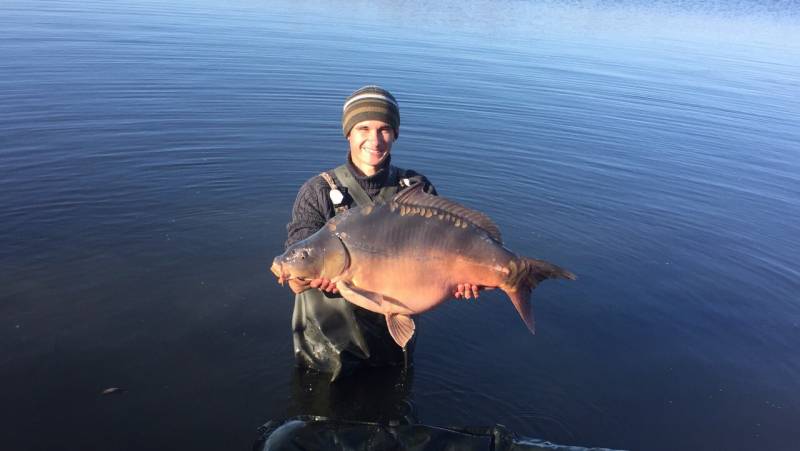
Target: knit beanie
[370,103]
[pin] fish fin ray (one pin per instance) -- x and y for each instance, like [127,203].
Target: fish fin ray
[401,328]
[362,298]
[521,282]
[539,270]
[416,197]
[522,302]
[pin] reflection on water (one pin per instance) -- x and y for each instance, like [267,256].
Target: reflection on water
[150,154]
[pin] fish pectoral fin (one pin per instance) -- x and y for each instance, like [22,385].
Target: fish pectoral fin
[359,297]
[401,328]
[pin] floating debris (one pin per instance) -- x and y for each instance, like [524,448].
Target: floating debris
[112,390]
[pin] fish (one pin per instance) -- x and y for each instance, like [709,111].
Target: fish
[406,256]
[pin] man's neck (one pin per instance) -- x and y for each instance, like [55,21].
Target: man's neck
[366,169]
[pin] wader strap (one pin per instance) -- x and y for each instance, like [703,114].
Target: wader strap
[353,188]
[388,191]
[328,179]
[338,206]
[360,196]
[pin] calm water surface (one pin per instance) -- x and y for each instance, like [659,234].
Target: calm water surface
[150,154]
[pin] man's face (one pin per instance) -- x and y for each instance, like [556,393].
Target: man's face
[370,144]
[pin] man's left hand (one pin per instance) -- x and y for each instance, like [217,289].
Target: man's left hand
[466,291]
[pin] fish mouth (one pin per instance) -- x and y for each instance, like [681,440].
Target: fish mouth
[277,269]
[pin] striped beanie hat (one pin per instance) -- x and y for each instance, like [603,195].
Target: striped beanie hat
[370,103]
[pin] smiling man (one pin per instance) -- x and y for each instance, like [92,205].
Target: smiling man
[330,334]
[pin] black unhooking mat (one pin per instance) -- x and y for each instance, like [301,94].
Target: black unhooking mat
[313,433]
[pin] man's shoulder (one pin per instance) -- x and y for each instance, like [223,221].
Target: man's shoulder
[314,191]
[415,177]
[317,182]
[409,173]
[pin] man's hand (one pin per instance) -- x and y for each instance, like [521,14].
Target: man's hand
[324,285]
[299,286]
[466,291]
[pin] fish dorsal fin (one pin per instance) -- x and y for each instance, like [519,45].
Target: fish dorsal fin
[417,201]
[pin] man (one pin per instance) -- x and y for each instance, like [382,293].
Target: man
[330,334]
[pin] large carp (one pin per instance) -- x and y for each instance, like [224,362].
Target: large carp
[408,255]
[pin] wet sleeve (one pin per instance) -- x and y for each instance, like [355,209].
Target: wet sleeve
[310,211]
[429,188]
[416,177]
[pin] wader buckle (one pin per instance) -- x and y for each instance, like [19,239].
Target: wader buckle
[336,196]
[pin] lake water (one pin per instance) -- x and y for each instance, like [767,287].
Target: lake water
[150,154]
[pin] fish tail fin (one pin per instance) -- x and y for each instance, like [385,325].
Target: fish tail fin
[525,274]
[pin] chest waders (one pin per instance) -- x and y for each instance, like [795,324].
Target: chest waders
[332,335]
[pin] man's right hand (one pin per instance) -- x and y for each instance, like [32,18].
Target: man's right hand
[299,286]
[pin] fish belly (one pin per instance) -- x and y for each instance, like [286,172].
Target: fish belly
[416,283]
[408,288]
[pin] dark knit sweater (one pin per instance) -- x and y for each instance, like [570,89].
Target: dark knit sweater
[313,206]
